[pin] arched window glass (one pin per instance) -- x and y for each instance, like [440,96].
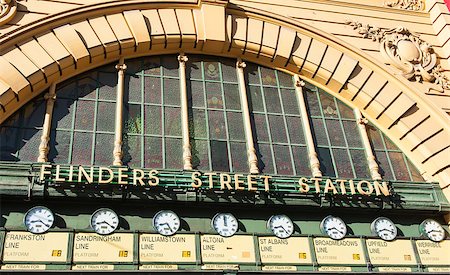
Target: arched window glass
[339,145]
[277,126]
[152,117]
[392,162]
[83,119]
[215,116]
[20,135]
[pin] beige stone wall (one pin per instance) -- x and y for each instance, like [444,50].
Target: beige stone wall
[47,42]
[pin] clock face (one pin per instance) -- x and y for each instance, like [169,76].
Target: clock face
[225,224]
[104,221]
[166,222]
[281,226]
[432,229]
[334,227]
[38,219]
[384,228]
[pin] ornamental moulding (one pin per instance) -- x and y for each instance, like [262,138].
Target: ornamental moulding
[405,51]
[413,5]
[8,9]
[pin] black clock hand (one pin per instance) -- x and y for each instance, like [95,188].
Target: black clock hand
[336,230]
[225,220]
[280,226]
[385,229]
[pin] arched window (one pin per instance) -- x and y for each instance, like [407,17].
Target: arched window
[83,123]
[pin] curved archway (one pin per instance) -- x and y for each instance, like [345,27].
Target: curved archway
[109,33]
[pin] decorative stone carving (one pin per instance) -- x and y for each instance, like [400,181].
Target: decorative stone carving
[7,10]
[414,5]
[405,51]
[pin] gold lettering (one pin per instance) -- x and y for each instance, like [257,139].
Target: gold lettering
[329,185]
[303,183]
[44,171]
[237,182]
[251,179]
[138,178]
[266,182]
[82,172]
[100,175]
[352,187]
[71,173]
[342,186]
[368,185]
[210,177]
[57,176]
[381,188]
[122,178]
[196,183]
[317,184]
[224,181]
[154,180]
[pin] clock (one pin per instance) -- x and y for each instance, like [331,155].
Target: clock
[166,222]
[104,221]
[225,224]
[334,227]
[384,228]
[38,219]
[281,226]
[432,230]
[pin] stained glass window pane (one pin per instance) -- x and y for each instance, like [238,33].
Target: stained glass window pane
[132,151]
[195,89]
[416,176]
[383,164]
[219,155]
[251,73]
[214,95]
[312,103]
[31,140]
[174,153]
[133,119]
[283,160]
[255,98]
[265,162]
[200,157]
[360,164]
[84,117]
[400,170]
[375,137]
[239,156]
[319,131]
[82,148]
[194,68]
[216,125]
[152,90]
[87,86]
[229,70]
[335,133]
[260,129]
[268,76]
[152,65]
[236,126]
[352,133]
[153,157]
[153,120]
[172,121]
[328,105]
[107,86]
[62,113]
[277,129]
[343,164]
[301,160]
[198,127]
[290,103]
[326,164]
[104,146]
[285,79]
[232,98]
[295,130]
[345,111]
[211,70]
[170,65]
[59,146]
[105,116]
[171,91]
[272,98]
[33,113]
[9,143]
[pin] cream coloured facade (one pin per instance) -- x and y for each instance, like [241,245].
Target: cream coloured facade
[388,61]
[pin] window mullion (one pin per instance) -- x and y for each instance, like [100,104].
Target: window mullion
[118,139]
[46,127]
[312,154]
[251,152]
[187,155]
[371,160]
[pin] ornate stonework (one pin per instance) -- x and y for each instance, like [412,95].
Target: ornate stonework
[7,10]
[404,50]
[414,5]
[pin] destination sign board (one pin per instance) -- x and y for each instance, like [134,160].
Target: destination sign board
[179,248]
[398,252]
[91,247]
[293,250]
[28,247]
[235,249]
[23,267]
[346,251]
[433,253]
[98,267]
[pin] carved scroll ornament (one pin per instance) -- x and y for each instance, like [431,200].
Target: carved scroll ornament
[404,50]
[7,10]
[414,5]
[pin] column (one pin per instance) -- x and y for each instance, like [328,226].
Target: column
[373,165]
[46,128]
[312,154]
[251,152]
[121,67]
[187,155]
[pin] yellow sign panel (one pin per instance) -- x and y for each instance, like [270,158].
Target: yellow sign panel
[28,247]
[335,268]
[91,247]
[178,248]
[158,267]
[221,266]
[292,250]
[99,267]
[279,268]
[236,249]
[346,251]
[394,269]
[432,253]
[439,269]
[23,267]
[398,252]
